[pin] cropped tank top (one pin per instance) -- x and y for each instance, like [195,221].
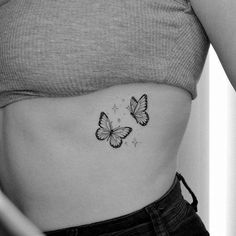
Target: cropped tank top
[56,48]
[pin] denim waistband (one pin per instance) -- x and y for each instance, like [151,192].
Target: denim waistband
[162,208]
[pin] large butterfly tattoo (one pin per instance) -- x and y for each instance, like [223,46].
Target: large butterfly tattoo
[138,110]
[106,131]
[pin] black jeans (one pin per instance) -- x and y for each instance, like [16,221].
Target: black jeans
[169,215]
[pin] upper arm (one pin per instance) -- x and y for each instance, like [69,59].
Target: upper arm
[218,18]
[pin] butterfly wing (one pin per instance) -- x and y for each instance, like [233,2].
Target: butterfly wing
[102,134]
[141,118]
[118,134]
[105,127]
[115,141]
[133,104]
[141,104]
[104,121]
[139,113]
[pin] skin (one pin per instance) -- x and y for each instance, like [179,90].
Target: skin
[219,21]
[221,32]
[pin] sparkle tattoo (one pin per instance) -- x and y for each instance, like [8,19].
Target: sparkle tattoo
[115,108]
[135,142]
[114,136]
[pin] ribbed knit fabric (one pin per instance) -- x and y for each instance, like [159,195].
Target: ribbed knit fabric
[56,48]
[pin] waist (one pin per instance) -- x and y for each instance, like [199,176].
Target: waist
[56,164]
[171,206]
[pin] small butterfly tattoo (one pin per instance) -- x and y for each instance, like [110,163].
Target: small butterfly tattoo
[138,110]
[113,135]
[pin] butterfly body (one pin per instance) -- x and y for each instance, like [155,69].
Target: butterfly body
[107,132]
[138,110]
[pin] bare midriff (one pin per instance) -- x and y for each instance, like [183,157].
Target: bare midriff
[59,174]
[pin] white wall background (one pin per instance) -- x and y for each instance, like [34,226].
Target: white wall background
[231,164]
[207,155]
[194,150]
[223,150]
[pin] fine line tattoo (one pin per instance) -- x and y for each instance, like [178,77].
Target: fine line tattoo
[107,132]
[115,108]
[138,109]
[135,142]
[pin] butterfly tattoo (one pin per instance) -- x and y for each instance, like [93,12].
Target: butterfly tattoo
[138,110]
[113,135]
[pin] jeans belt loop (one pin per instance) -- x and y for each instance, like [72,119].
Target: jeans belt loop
[195,201]
[157,222]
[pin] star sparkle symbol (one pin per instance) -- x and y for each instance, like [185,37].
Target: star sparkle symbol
[115,108]
[135,142]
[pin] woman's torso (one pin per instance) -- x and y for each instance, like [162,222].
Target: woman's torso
[59,174]
[53,167]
